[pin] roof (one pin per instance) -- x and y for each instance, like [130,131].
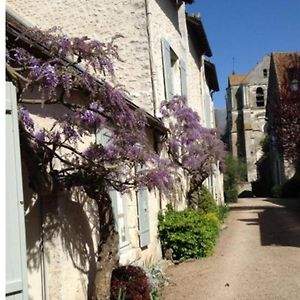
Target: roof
[211,76]
[282,61]
[197,32]
[16,28]
[186,1]
[236,79]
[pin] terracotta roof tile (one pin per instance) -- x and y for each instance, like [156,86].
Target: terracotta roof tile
[282,61]
[236,79]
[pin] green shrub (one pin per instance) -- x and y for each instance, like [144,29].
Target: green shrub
[189,233]
[277,191]
[231,194]
[207,203]
[235,171]
[223,212]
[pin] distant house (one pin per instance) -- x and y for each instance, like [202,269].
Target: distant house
[246,107]
[282,65]
[164,53]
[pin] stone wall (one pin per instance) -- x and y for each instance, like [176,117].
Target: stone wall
[102,20]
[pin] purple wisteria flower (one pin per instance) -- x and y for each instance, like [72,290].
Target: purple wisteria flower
[26,120]
[195,148]
[47,78]
[69,132]
[41,136]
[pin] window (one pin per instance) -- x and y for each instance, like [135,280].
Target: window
[174,71]
[119,203]
[265,73]
[294,85]
[260,101]
[293,77]
[143,214]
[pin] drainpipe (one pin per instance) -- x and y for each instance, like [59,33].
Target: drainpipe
[151,57]
[153,78]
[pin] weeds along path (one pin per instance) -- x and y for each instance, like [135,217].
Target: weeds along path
[256,257]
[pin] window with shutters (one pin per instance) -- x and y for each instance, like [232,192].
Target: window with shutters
[119,203]
[174,71]
[143,214]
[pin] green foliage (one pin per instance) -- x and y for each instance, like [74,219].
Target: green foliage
[121,295]
[157,280]
[235,171]
[277,191]
[207,203]
[265,144]
[223,212]
[189,233]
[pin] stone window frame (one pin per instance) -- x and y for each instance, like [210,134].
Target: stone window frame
[260,97]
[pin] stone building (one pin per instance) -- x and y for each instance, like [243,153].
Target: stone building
[246,108]
[164,52]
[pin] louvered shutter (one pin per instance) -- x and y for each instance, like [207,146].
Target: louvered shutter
[120,217]
[113,198]
[103,136]
[168,80]
[16,269]
[183,79]
[143,217]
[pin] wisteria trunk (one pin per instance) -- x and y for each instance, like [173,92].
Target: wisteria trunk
[193,193]
[108,247]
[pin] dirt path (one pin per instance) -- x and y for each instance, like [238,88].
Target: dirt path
[257,257]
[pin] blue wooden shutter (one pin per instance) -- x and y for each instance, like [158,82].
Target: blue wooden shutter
[183,79]
[168,80]
[143,217]
[103,136]
[113,198]
[207,109]
[16,270]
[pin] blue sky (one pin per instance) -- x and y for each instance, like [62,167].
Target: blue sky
[247,30]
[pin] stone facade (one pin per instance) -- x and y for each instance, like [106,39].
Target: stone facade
[246,107]
[144,26]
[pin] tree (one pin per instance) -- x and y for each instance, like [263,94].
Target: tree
[192,147]
[60,68]
[235,172]
[285,108]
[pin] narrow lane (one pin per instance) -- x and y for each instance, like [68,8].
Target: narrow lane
[257,257]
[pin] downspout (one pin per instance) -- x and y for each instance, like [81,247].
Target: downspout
[153,78]
[151,57]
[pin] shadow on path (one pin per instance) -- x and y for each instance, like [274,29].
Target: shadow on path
[279,225]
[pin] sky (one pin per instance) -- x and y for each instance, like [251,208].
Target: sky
[246,31]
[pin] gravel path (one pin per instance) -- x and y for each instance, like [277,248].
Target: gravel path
[256,257]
